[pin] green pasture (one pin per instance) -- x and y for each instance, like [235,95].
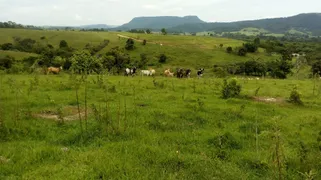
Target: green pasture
[157,128]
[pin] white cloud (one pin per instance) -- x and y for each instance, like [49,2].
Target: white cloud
[117,12]
[149,6]
[78,17]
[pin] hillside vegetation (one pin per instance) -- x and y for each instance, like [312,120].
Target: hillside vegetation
[187,51]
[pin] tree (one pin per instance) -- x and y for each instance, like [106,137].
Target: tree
[6,62]
[229,49]
[148,31]
[130,44]
[6,46]
[257,41]
[316,68]
[143,60]
[241,51]
[164,32]
[221,45]
[63,44]
[83,63]
[144,42]
[250,47]
[121,59]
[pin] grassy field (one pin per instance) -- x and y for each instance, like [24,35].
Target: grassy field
[156,128]
[16,54]
[183,51]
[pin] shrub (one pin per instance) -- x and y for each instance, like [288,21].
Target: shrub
[130,44]
[6,62]
[250,47]
[231,89]
[144,42]
[229,49]
[295,97]
[241,51]
[162,58]
[63,44]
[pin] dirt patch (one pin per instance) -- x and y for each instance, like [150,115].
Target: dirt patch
[69,113]
[269,99]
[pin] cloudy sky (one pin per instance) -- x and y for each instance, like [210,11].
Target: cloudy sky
[117,12]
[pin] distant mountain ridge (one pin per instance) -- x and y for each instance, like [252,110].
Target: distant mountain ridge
[159,22]
[309,22]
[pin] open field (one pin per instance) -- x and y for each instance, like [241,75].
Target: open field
[146,128]
[185,51]
[16,54]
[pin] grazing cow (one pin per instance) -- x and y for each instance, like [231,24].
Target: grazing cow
[152,72]
[168,73]
[200,72]
[130,71]
[145,72]
[54,70]
[180,73]
[188,73]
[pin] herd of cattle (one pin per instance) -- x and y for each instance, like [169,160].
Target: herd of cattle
[180,72]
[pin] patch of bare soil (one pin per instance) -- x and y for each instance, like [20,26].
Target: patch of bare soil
[69,113]
[268,99]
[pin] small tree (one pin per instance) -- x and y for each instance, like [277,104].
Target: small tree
[241,51]
[229,49]
[143,60]
[295,96]
[164,32]
[63,44]
[257,41]
[130,44]
[221,45]
[144,42]
[148,31]
[162,58]
[230,89]
[250,47]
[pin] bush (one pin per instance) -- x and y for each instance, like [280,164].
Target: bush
[63,44]
[130,44]
[144,42]
[231,89]
[229,49]
[162,58]
[6,62]
[241,51]
[295,97]
[250,47]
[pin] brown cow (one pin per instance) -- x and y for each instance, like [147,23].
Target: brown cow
[168,73]
[54,70]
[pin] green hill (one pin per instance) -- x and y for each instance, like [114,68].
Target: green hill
[186,51]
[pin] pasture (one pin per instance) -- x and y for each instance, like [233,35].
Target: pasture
[185,51]
[115,127]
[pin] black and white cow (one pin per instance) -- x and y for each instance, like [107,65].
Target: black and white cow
[130,71]
[188,73]
[181,73]
[200,72]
